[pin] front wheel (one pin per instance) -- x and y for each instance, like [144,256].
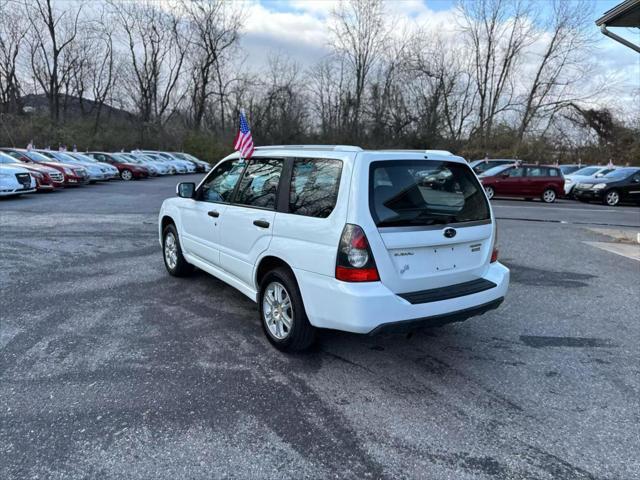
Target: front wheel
[172,252]
[489,191]
[612,198]
[126,175]
[549,196]
[282,312]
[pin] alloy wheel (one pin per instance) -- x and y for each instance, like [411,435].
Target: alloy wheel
[549,196]
[489,192]
[126,175]
[277,310]
[171,250]
[613,198]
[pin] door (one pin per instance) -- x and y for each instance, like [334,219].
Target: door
[202,215]
[247,224]
[536,180]
[512,185]
[434,222]
[632,189]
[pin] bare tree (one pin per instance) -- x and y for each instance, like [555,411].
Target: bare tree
[52,34]
[359,35]
[156,46]
[567,46]
[13,30]
[216,26]
[497,31]
[327,89]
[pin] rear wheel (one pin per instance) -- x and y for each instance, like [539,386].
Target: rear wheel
[282,312]
[172,252]
[549,196]
[489,191]
[126,175]
[612,198]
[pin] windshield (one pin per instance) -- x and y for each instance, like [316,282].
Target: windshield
[419,192]
[121,158]
[4,158]
[587,171]
[621,173]
[495,170]
[82,157]
[63,157]
[37,157]
[567,169]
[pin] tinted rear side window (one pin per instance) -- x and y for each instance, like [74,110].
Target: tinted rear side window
[419,192]
[314,187]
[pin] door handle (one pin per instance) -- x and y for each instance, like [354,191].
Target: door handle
[213,214]
[261,223]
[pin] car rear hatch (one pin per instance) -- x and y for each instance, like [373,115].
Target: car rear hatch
[434,222]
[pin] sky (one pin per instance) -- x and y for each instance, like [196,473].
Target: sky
[297,28]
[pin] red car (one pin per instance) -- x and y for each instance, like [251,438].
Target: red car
[42,174]
[71,174]
[127,169]
[524,181]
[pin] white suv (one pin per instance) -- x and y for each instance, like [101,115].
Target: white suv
[342,238]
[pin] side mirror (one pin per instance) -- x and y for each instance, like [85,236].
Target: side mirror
[504,175]
[186,189]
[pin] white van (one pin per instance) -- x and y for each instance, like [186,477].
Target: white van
[342,238]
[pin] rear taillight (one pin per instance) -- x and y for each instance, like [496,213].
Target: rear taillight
[355,261]
[494,247]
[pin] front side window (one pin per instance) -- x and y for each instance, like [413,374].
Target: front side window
[314,187]
[259,184]
[222,181]
[421,192]
[516,172]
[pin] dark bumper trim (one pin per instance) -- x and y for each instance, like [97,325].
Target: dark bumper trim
[448,292]
[437,320]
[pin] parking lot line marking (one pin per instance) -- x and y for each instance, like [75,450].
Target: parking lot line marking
[565,222]
[563,208]
[623,249]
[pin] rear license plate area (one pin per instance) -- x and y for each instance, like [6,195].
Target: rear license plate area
[444,258]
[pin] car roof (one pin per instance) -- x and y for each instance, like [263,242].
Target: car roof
[349,152]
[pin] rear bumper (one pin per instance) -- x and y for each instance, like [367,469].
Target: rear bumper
[372,307]
[437,320]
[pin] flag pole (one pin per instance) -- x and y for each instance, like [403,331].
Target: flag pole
[242,114]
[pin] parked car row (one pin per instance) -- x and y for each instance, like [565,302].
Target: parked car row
[510,178]
[31,170]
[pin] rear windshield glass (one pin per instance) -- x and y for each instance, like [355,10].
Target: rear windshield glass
[424,192]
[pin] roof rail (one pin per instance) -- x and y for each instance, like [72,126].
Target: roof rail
[341,148]
[433,152]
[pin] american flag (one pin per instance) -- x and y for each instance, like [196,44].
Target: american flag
[244,142]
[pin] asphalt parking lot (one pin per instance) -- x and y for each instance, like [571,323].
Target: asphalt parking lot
[110,368]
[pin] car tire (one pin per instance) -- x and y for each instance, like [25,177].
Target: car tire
[611,198]
[549,195]
[279,304]
[489,191]
[126,175]
[174,261]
